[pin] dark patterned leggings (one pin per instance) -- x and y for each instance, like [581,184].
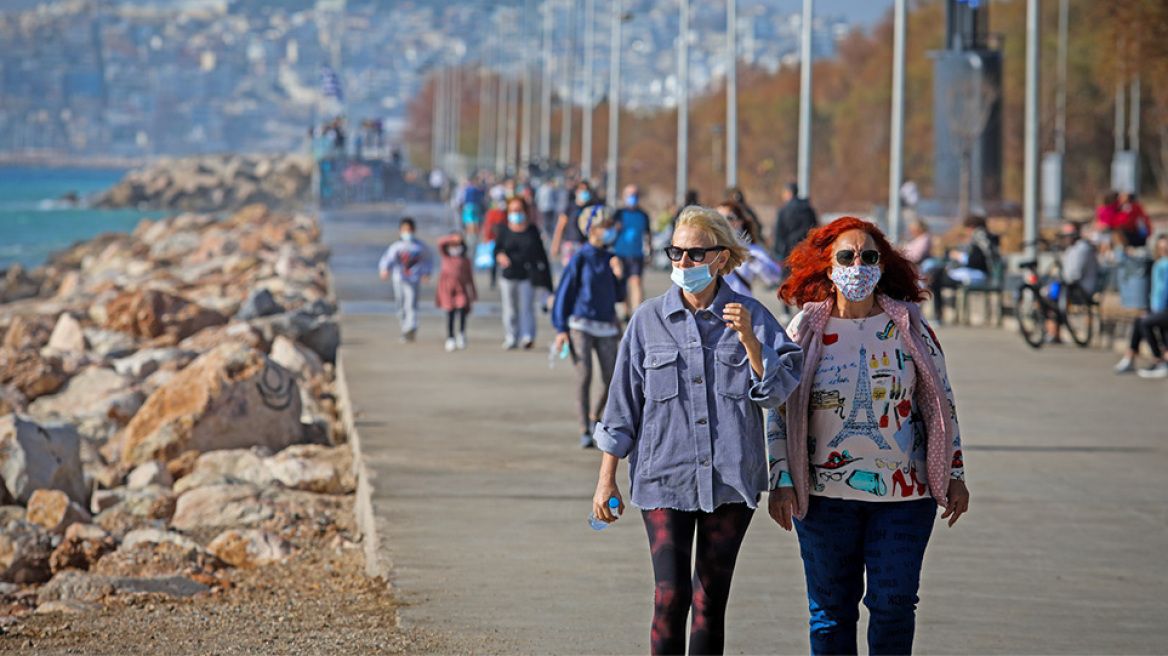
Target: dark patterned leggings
[451,315]
[705,585]
[583,346]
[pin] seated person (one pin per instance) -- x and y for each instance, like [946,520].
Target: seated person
[970,264]
[1078,267]
[919,249]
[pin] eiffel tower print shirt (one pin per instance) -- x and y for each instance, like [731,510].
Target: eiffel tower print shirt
[866,440]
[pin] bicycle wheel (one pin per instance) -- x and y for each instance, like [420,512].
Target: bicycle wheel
[1079,318]
[1028,309]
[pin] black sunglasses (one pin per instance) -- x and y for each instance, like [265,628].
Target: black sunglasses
[869,257]
[695,254]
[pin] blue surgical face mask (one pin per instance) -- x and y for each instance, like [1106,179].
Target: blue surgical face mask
[631,200]
[693,279]
[608,237]
[515,217]
[583,197]
[407,236]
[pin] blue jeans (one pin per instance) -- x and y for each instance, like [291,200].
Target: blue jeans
[839,539]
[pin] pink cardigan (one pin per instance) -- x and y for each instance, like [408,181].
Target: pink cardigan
[929,395]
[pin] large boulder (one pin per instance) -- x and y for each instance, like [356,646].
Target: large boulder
[68,335]
[28,332]
[220,506]
[35,457]
[72,584]
[232,397]
[30,373]
[249,547]
[25,550]
[150,313]
[54,511]
[81,549]
[299,359]
[147,361]
[95,390]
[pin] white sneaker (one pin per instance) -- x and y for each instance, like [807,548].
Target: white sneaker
[1160,370]
[1125,366]
[460,341]
[509,345]
[450,346]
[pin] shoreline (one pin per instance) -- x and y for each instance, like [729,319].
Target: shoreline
[67,161]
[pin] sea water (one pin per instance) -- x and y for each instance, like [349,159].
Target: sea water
[35,221]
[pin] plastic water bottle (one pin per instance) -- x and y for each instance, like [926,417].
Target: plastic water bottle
[596,524]
[563,354]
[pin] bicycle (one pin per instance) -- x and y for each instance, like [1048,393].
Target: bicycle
[1068,304]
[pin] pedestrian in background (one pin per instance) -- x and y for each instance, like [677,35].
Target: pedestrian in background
[456,288]
[584,313]
[758,264]
[520,253]
[567,238]
[632,243]
[695,369]
[1151,326]
[407,261]
[855,480]
[795,219]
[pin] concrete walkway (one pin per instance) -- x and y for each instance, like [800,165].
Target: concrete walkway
[480,494]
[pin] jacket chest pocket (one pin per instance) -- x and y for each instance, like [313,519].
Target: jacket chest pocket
[733,374]
[661,375]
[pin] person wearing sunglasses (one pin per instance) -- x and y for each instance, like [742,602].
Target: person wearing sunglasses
[694,371]
[866,345]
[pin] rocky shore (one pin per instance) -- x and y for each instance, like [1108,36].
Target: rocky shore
[168,415]
[213,183]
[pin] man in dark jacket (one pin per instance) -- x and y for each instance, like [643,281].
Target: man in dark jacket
[796,219]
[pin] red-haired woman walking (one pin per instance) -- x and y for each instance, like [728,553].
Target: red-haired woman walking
[867,446]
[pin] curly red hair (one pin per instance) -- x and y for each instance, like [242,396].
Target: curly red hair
[810,265]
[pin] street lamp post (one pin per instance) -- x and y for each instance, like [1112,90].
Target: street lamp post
[896,147]
[1030,164]
[732,94]
[614,82]
[682,104]
[567,114]
[804,167]
[545,114]
[586,136]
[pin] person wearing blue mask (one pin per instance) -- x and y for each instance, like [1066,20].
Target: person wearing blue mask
[567,237]
[695,370]
[584,312]
[632,242]
[520,254]
[408,262]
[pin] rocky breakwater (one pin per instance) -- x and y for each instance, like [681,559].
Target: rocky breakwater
[167,412]
[213,183]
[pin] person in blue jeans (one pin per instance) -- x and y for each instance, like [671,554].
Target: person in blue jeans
[694,371]
[867,446]
[1151,326]
[407,262]
[584,312]
[632,239]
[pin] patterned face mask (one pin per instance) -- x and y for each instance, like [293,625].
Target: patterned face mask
[856,282]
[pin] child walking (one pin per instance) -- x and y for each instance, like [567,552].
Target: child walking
[584,312]
[408,262]
[456,288]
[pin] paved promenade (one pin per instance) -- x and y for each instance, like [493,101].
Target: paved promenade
[480,493]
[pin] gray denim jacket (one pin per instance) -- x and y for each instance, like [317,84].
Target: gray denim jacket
[686,408]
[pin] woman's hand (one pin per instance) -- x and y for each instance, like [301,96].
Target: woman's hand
[503,260]
[618,268]
[737,318]
[561,341]
[781,506]
[604,492]
[958,501]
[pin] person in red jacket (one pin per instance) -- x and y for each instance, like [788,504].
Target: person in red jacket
[456,288]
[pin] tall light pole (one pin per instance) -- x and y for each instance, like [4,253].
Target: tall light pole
[896,147]
[1060,125]
[567,114]
[732,94]
[804,166]
[614,82]
[545,113]
[1030,160]
[682,104]
[525,56]
[586,137]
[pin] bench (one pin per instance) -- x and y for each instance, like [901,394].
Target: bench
[994,284]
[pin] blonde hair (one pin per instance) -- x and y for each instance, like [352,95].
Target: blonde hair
[716,227]
[603,216]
